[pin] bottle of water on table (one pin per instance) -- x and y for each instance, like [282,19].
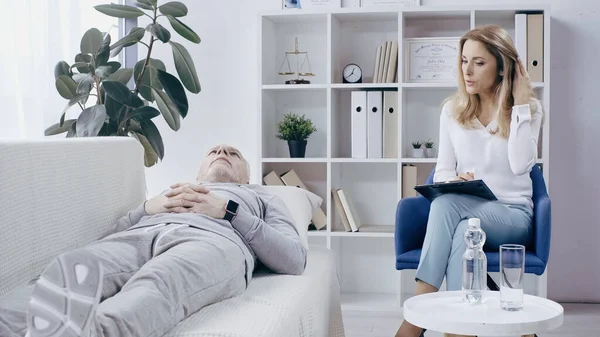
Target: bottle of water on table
[474,276]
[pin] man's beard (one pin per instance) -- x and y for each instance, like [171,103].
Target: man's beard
[221,175]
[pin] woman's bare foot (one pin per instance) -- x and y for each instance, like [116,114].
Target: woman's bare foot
[406,329]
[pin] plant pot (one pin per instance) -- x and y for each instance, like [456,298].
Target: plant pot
[430,152]
[417,153]
[297,148]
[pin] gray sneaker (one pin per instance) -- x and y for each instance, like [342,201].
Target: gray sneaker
[64,300]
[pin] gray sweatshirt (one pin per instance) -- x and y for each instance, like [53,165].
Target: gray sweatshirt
[263,228]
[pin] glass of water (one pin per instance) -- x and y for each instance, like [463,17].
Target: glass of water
[512,268]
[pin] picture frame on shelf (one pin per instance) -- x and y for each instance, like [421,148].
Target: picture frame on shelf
[390,3]
[310,4]
[431,60]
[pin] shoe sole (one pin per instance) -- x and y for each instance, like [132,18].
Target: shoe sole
[64,300]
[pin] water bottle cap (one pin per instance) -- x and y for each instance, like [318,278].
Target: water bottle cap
[474,222]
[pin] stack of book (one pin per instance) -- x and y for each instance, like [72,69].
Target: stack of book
[386,62]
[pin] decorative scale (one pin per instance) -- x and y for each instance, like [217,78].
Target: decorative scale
[299,67]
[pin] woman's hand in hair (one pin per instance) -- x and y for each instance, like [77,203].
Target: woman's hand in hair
[521,84]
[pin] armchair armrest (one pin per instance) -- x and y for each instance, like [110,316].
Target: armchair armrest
[542,222]
[411,223]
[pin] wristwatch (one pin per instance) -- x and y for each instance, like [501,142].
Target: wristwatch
[231,210]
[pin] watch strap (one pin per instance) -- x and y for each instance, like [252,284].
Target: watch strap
[231,209]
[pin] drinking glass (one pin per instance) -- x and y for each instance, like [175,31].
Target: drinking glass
[512,268]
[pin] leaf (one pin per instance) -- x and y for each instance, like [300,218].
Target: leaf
[167,108]
[137,32]
[148,2]
[150,78]
[160,32]
[85,85]
[90,121]
[185,67]
[134,36]
[83,58]
[117,91]
[66,86]
[81,98]
[145,112]
[183,30]
[175,90]
[103,52]
[56,129]
[114,65]
[143,6]
[104,71]
[153,135]
[150,157]
[121,75]
[79,64]
[114,109]
[119,11]
[72,130]
[173,8]
[91,41]
[61,68]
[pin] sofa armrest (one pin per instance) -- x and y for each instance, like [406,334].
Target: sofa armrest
[542,222]
[411,223]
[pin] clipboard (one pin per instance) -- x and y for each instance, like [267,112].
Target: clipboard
[472,187]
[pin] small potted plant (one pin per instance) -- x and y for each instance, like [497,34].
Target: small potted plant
[417,150]
[429,150]
[295,129]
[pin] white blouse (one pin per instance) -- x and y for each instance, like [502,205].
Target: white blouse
[504,165]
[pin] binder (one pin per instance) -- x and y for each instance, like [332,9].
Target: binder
[374,124]
[535,47]
[390,124]
[359,124]
[291,178]
[521,36]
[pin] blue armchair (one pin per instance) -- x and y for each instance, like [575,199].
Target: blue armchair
[411,222]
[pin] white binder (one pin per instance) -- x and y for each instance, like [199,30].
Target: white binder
[359,124]
[390,124]
[375,124]
[521,36]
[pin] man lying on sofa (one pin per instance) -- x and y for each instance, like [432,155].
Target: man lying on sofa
[193,245]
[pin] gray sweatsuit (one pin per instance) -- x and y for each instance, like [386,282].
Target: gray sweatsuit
[160,269]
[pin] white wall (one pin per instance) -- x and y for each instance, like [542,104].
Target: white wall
[226,61]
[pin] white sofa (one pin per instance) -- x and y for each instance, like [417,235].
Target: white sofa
[59,194]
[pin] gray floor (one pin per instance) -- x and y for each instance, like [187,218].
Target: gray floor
[580,320]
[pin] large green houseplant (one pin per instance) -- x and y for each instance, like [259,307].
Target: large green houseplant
[116,109]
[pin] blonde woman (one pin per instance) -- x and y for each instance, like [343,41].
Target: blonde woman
[488,130]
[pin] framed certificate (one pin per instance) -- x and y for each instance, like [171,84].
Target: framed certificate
[431,60]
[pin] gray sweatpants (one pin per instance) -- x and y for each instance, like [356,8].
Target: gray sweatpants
[154,278]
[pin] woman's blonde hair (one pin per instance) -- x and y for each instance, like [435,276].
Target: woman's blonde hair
[466,107]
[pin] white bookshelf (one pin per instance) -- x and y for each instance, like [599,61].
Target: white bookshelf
[366,260]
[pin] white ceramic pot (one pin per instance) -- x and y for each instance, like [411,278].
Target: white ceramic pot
[417,153]
[430,152]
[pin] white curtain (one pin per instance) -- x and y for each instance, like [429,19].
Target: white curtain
[36,35]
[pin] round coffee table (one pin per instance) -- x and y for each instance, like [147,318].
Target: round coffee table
[446,312]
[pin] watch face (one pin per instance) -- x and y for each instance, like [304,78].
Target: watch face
[352,73]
